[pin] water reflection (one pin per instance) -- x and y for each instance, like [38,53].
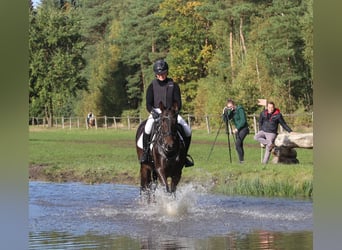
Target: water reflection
[77,216]
[254,240]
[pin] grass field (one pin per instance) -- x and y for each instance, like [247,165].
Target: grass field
[100,156]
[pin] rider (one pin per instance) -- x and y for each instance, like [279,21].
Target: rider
[163,89]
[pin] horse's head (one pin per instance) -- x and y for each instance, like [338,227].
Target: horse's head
[168,125]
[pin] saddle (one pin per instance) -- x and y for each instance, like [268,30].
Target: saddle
[154,133]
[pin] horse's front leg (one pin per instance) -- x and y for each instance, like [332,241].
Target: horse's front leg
[162,177]
[174,181]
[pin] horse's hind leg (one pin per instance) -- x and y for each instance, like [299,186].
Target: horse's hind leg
[145,177]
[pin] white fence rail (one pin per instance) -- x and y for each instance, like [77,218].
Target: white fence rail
[208,122]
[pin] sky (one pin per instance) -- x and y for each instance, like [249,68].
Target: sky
[35,2]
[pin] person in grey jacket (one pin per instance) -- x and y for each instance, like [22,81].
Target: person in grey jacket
[269,121]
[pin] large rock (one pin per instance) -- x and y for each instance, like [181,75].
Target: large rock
[284,151]
[294,140]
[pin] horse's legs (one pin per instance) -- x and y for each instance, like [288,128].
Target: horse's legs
[174,182]
[163,179]
[145,177]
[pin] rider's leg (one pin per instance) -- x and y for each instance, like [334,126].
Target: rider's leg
[188,161]
[187,140]
[146,138]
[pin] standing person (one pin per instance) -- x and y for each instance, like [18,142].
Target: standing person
[90,115]
[269,121]
[236,113]
[163,89]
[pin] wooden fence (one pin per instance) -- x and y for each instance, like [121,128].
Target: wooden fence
[208,122]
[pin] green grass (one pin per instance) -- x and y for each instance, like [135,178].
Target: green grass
[96,156]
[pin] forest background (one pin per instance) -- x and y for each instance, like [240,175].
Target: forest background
[97,55]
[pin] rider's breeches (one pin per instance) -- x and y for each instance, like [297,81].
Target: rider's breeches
[180,120]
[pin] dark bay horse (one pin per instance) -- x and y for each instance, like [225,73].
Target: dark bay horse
[167,155]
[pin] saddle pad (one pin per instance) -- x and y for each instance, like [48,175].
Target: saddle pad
[140,142]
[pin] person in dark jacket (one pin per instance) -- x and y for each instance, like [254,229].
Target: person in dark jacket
[163,89]
[238,116]
[269,121]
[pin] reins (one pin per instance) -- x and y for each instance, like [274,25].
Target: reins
[168,154]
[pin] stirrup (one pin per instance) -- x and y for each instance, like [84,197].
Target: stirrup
[189,162]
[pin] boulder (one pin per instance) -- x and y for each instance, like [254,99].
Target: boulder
[295,140]
[284,151]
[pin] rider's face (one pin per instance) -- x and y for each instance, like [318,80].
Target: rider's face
[161,77]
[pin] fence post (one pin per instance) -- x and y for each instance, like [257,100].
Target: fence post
[115,122]
[207,122]
[105,117]
[255,124]
[128,123]
[70,123]
[95,122]
[189,121]
[62,121]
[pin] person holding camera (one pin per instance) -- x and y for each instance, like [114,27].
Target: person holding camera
[163,89]
[237,115]
[269,121]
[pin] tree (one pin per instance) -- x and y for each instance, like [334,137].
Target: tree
[55,60]
[276,39]
[189,45]
[142,41]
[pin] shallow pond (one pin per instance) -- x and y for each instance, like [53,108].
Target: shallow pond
[110,216]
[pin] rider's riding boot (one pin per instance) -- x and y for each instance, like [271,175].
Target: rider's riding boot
[144,157]
[189,162]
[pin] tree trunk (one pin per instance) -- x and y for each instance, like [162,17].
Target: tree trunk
[231,53]
[258,73]
[153,47]
[242,38]
[231,46]
[49,113]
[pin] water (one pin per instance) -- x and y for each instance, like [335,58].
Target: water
[108,216]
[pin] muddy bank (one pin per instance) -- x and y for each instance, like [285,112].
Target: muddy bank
[40,172]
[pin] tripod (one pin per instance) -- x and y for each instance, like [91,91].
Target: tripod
[228,123]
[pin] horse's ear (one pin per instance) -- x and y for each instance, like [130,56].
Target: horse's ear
[175,106]
[161,106]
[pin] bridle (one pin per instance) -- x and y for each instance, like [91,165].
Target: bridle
[161,134]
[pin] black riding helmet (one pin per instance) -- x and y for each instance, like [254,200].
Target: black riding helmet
[160,67]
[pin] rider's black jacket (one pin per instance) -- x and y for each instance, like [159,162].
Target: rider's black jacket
[165,91]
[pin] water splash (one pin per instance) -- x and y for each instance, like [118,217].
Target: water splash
[168,206]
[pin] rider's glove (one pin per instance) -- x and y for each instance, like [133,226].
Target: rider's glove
[154,114]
